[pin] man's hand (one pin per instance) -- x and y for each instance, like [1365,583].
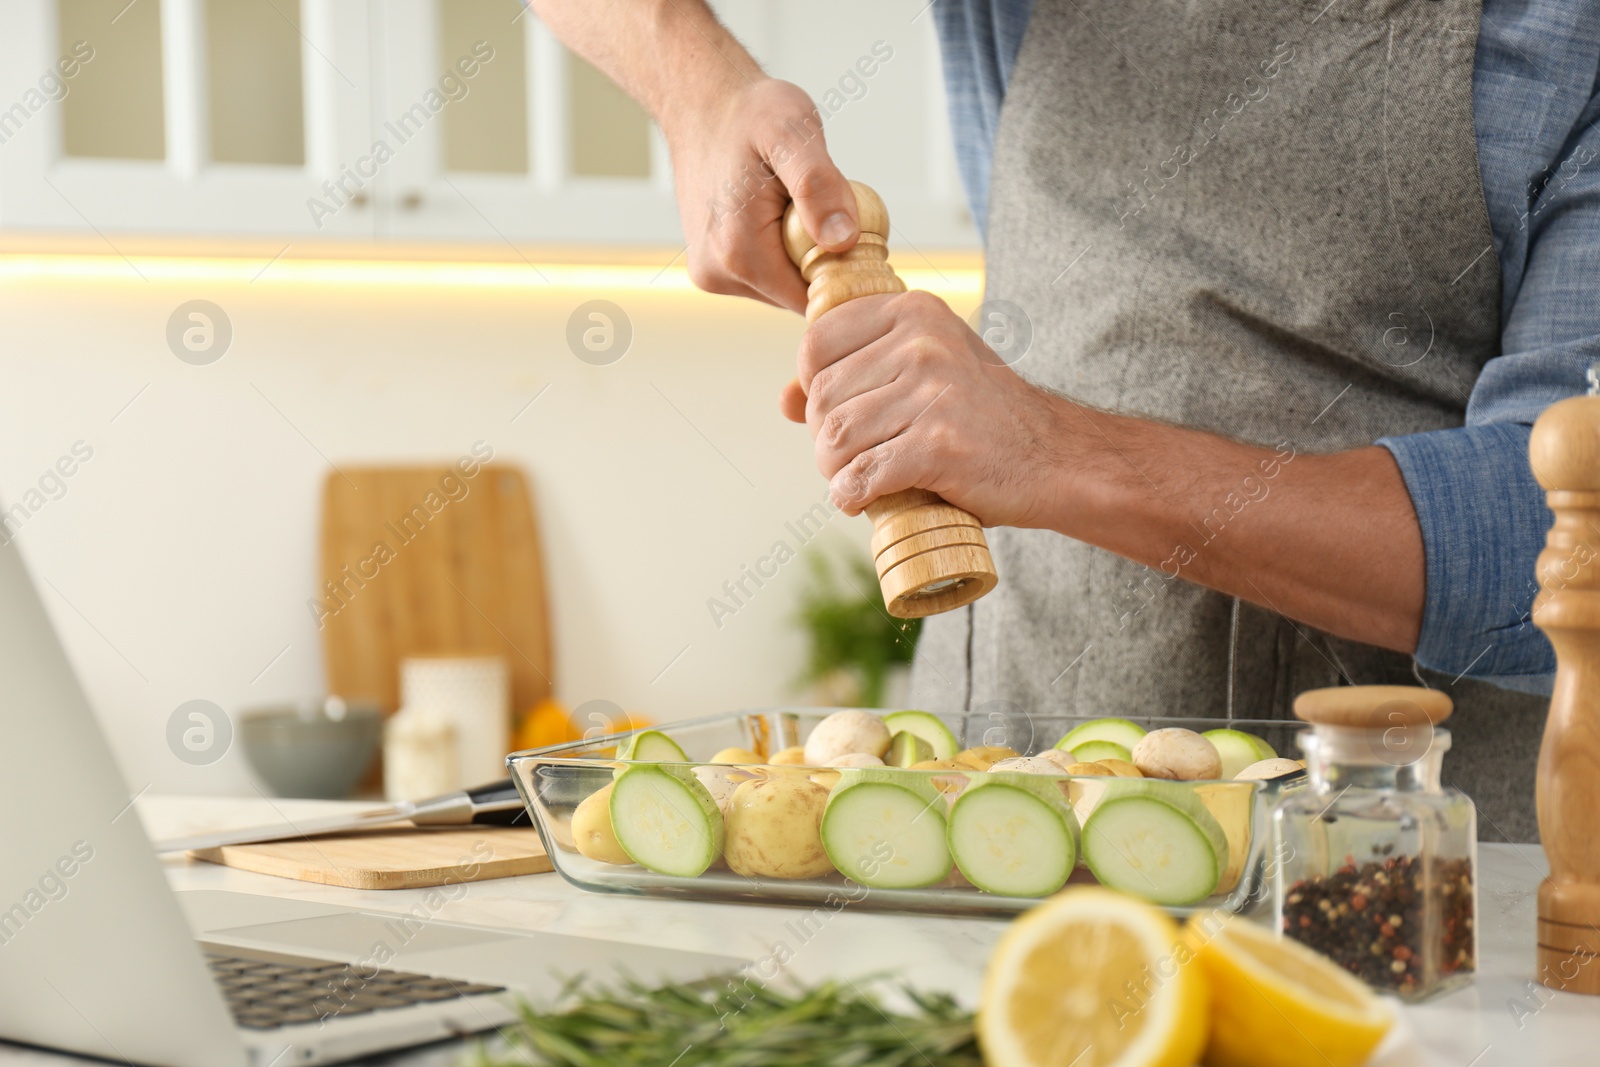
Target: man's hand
[901,394]
[736,167]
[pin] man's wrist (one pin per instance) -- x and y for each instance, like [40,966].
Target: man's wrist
[1066,449]
[703,68]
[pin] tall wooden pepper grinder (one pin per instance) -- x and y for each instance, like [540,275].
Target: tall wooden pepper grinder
[1565,454]
[930,557]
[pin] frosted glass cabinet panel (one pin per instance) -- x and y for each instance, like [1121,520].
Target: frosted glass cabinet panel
[113,107]
[486,129]
[252,51]
[610,133]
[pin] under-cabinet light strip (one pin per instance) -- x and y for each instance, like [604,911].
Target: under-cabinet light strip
[959,281]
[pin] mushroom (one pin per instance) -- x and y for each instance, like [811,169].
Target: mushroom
[1176,753]
[720,783]
[1060,757]
[857,759]
[844,732]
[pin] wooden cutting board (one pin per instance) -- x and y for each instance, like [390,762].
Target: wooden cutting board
[392,859]
[430,561]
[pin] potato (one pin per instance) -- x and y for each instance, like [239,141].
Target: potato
[1268,768]
[983,757]
[1121,768]
[774,829]
[826,779]
[1027,765]
[1177,753]
[947,784]
[591,829]
[736,755]
[720,783]
[1092,770]
[844,732]
[793,756]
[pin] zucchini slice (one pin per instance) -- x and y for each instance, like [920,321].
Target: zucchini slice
[653,746]
[927,726]
[886,830]
[666,821]
[1156,841]
[1124,732]
[1089,751]
[1238,749]
[1014,837]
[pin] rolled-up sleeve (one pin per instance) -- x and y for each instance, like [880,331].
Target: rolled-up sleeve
[1483,522]
[1482,513]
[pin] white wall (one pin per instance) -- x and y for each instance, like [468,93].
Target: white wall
[180,556]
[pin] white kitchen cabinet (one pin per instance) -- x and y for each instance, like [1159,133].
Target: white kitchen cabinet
[128,142]
[452,121]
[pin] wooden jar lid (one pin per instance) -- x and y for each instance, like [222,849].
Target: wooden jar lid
[1372,707]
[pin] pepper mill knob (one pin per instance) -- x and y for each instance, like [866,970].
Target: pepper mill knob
[1564,452]
[930,557]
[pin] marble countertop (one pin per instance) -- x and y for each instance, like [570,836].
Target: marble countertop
[1503,1018]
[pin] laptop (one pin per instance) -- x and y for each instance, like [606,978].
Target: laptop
[99,956]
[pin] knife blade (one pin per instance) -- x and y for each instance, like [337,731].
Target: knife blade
[495,804]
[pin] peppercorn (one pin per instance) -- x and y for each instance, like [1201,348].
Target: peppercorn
[1330,914]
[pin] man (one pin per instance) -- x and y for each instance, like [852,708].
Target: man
[1299,279]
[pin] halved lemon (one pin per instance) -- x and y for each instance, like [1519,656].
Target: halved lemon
[1276,1003]
[1092,978]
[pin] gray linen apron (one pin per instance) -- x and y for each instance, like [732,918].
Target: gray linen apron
[1261,218]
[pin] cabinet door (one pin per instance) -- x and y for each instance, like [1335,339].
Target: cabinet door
[499,134]
[184,116]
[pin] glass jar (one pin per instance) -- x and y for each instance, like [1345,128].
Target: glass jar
[1375,864]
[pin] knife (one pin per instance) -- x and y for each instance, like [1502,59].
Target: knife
[495,804]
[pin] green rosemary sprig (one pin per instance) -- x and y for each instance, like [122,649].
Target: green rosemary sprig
[733,1022]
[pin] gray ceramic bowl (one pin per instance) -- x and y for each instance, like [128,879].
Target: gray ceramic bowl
[312,750]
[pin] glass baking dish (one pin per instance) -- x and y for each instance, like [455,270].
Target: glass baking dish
[553,781]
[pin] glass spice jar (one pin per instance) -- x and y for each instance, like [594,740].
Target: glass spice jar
[1376,863]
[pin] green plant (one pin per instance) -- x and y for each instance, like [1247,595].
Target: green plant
[849,629]
[733,1021]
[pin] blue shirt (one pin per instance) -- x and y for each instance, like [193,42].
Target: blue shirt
[1483,517]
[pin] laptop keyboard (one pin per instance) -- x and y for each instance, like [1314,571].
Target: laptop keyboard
[267,990]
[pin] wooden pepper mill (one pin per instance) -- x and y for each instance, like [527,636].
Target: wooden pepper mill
[1565,454]
[930,557]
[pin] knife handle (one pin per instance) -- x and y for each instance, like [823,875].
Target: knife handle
[498,804]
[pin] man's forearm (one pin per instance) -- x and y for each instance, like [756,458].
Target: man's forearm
[673,56]
[1329,540]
